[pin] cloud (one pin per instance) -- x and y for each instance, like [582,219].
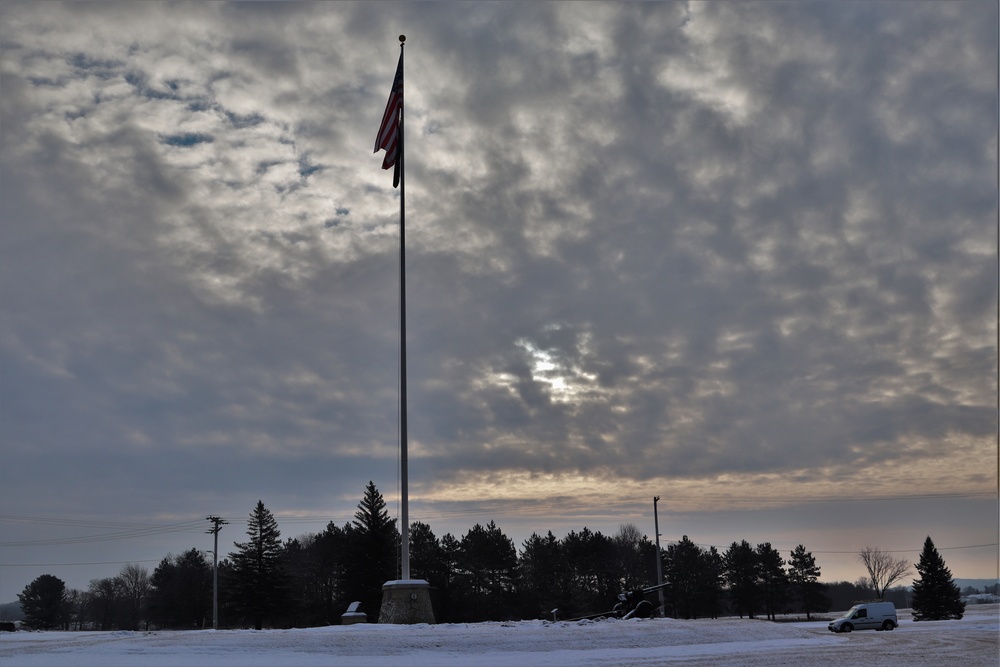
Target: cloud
[644,243]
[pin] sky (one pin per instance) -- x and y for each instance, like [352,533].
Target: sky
[741,257]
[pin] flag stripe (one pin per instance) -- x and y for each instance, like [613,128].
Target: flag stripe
[388,132]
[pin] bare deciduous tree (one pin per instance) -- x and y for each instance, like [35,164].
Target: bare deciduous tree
[135,587]
[629,534]
[883,568]
[629,548]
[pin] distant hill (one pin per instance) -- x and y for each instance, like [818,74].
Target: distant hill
[980,584]
[11,612]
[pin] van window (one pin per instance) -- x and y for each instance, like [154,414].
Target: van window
[861,613]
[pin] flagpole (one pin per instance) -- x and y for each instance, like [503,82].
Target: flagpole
[403,455]
[404,600]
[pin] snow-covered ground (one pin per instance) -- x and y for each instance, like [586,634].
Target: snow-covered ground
[974,640]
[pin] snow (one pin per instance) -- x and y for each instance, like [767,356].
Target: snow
[974,640]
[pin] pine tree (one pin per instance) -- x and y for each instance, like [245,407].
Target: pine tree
[487,567]
[740,567]
[374,543]
[540,568]
[772,578]
[589,559]
[683,572]
[936,597]
[713,581]
[634,558]
[332,549]
[451,553]
[257,567]
[427,560]
[181,596]
[43,602]
[803,574]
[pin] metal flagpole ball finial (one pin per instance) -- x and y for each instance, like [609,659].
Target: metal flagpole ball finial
[402,38]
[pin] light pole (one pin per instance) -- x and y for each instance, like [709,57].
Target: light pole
[217,524]
[659,557]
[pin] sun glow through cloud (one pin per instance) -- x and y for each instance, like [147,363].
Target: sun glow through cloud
[740,256]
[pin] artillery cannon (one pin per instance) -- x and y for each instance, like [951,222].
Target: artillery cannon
[631,604]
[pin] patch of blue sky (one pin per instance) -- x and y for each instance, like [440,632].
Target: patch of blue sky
[187,139]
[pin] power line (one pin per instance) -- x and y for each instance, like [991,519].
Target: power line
[86,523]
[908,551]
[891,551]
[129,533]
[105,562]
[532,506]
[522,507]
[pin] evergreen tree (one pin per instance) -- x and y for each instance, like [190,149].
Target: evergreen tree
[593,586]
[635,558]
[331,550]
[540,568]
[181,595]
[451,550]
[803,575]
[303,599]
[43,602]
[427,559]
[843,594]
[682,572]
[713,580]
[373,541]
[772,579]
[936,597]
[603,565]
[487,566]
[740,568]
[258,578]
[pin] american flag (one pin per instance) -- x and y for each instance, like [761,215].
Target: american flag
[388,133]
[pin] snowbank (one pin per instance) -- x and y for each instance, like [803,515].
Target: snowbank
[975,640]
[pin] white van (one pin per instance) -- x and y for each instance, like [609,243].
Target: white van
[867,616]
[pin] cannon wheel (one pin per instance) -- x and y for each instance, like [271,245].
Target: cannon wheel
[644,609]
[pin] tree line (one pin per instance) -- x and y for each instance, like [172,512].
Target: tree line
[311,579]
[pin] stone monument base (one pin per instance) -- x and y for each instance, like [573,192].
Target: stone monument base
[405,602]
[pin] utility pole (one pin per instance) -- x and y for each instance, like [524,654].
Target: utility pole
[217,524]
[659,557]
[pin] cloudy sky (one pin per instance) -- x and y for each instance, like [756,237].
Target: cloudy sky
[740,256]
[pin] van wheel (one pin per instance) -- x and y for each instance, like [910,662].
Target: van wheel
[888,625]
[846,627]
